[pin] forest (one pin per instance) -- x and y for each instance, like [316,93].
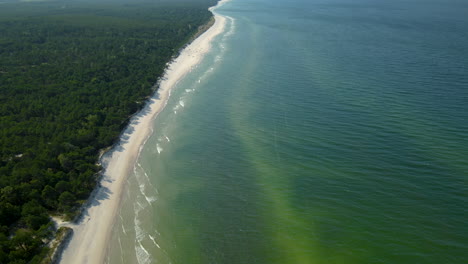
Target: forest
[71,75]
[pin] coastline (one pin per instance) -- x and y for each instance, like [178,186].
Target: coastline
[93,230]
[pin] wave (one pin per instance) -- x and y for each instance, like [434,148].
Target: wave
[159,148]
[142,180]
[232,28]
[122,225]
[147,178]
[154,241]
[182,103]
[143,256]
[148,194]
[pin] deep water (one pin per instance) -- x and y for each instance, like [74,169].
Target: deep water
[315,131]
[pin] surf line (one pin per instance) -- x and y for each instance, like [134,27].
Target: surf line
[90,241]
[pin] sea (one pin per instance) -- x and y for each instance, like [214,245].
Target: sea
[313,131]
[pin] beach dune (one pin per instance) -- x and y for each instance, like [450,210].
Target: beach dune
[92,233]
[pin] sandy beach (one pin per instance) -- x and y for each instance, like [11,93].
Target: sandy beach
[93,231]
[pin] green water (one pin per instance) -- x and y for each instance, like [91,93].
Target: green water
[313,132]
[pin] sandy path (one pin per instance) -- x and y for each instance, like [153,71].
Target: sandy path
[92,233]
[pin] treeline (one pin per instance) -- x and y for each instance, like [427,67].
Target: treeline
[71,74]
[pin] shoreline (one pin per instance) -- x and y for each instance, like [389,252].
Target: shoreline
[92,231]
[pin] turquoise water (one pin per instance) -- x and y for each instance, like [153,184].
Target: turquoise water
[313,132]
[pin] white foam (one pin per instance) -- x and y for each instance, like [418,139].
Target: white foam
[143,256]
[151,199]
[154,241]
[122,225]
[147,176]
[91,239]
[232,27]
[139,234]
[159,148]
[120,244]
[139,205]
[144,180]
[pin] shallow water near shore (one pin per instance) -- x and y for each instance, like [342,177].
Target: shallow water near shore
[312,132]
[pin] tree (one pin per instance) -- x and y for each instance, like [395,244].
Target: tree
[34,215]
[62,186]
[66,201]
[65,162]
[23,245]
[49,196]
[68,87]
[9,213]
[4,248]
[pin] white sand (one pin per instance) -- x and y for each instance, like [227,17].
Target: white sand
[92,234]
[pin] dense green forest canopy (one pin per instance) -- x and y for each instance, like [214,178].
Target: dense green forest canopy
[71,75]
